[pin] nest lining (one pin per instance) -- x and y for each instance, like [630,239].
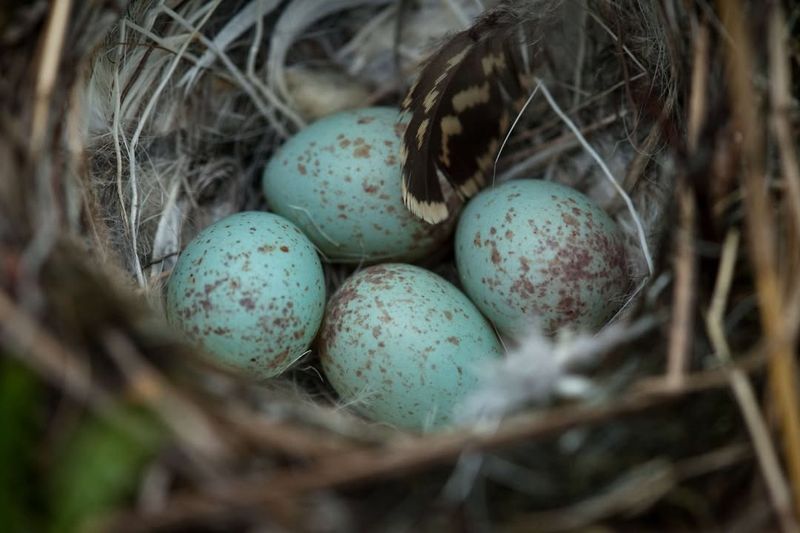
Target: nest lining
[173,122]
[182,107]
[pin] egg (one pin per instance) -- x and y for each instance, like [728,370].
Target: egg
[250,290]
[402,345]
[533,251]
[339,181]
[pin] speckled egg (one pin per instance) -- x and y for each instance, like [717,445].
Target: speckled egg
[402,345]
[339,181]
[250,290]
[533,251]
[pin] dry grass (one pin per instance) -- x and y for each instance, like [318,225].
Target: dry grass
[126,128]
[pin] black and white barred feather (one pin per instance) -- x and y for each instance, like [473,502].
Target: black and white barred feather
[460,109]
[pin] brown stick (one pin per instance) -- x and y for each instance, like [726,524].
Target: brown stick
[685,267]
[762,229]
[38,349]
[642,487]
[781,95]
[782,101]
[682,324]
[777,486]
[51,46]
[697,98]
[413,455]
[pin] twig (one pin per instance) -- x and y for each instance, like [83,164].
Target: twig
[697,98]
[47,216]
[37,348]
[285,437]
[414,454]
[642,486]
[781,95]
[52,45]
[777,486]
[186,421]
[682,323]
[761,227]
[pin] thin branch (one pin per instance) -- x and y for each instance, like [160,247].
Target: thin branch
[186,421]
[699,89]
[781,95]
[410,455]
[761,227]
[641,487]
[37,348]
[777,487]
[52,46]
[685,266]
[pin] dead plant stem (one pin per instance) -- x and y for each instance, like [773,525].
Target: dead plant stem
[777,487]
[762,231]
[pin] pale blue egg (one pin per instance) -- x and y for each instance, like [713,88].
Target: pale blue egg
[403,346]
[250,290]
[536,251]
[339,181]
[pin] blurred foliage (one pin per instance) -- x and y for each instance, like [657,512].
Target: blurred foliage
[100,465]
[21,422]
[66,482]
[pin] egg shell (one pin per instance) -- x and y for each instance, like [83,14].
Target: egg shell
[402,345]
[533,251]
[250,290]
[339,181]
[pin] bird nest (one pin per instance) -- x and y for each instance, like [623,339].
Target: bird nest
[130,126]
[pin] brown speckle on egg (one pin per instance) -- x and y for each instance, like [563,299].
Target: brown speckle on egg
[356,213]
[560,263]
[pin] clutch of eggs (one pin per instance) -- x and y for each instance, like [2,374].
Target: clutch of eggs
[398,343]
[537,252]
[339,181]
[250,290]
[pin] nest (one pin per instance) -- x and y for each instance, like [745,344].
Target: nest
[130,126]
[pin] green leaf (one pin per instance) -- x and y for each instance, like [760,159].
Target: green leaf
[100,466]
[20,426]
